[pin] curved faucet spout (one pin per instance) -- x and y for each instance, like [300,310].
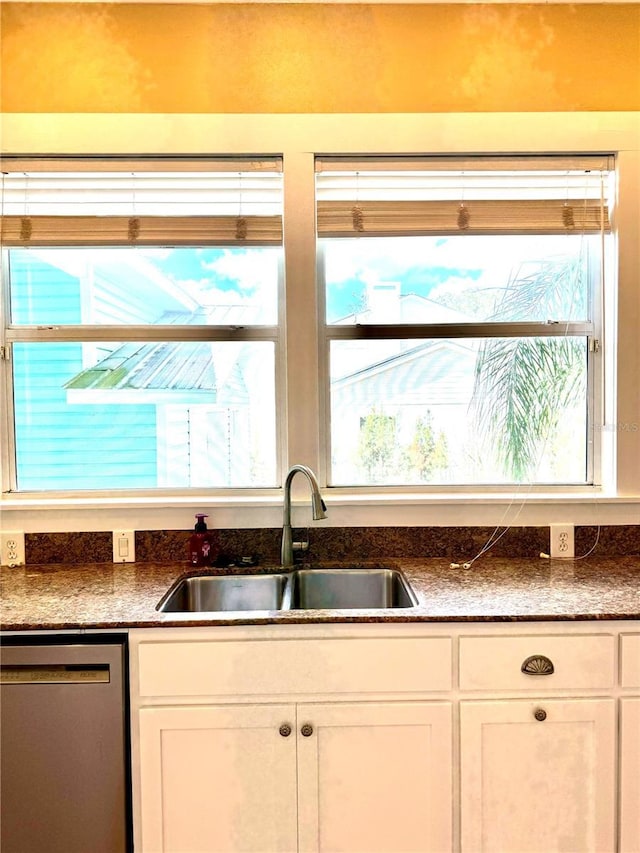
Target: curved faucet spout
[318,509]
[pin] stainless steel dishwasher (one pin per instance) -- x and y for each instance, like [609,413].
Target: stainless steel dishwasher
[64,747]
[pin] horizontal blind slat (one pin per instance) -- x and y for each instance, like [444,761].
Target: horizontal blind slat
[143,231]
[376,218]
[473,195]
[490,163]
[34,165]
[171,201]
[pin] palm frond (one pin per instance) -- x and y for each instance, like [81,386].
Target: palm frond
[522,385]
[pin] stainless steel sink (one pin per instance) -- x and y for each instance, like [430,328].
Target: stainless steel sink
[344,589]
[299,589]
[225,592]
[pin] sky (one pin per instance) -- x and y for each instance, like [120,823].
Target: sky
[440,268]
[467,272]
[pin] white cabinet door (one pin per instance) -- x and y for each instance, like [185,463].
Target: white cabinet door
[375,777]
[630,776]
[533,785]
[218,779]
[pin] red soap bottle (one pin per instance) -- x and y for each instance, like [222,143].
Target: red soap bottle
[201,543]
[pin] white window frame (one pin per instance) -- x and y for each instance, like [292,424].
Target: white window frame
[298,139]
[487,330]
[169,226]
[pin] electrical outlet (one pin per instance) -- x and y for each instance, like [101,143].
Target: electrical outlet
[12,548]
[124,546]
[562,540]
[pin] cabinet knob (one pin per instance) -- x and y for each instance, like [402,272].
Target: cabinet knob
[306,730]
[285,730]
[537,665]
[540,714]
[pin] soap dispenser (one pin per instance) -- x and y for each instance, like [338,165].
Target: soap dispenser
[201,541]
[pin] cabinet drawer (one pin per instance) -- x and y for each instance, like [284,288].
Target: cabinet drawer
[495,663]
[290,667]
[630,660]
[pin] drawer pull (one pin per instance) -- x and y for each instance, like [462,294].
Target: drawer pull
[306,730]
[537,665]
[540,714]
[285,730]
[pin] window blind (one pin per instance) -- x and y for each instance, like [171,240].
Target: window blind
[86,203]
[389,197]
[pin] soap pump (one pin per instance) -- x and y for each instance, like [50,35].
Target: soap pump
[200,543]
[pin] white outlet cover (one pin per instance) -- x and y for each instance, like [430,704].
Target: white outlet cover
[561,541]
[12,550]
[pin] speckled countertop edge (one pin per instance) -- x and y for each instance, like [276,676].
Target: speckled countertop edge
[108,596]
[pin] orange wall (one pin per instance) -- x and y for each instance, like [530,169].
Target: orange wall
[67,57]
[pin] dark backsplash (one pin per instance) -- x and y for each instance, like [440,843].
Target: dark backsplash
[334,543]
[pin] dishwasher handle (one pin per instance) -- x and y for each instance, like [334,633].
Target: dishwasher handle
[48,673]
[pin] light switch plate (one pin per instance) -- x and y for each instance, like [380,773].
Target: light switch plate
[124,546]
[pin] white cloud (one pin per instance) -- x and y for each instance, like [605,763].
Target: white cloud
[253,269]
[390,258]
[203,292]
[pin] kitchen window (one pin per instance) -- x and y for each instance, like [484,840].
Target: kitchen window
[461,305]
[460,327]
[143,303]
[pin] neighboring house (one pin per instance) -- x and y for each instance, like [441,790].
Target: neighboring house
[46,426]
[199,413]
[384,302]
[159,412]
[207,396]
[432,380]
[402,379]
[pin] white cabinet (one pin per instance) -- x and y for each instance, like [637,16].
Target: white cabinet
[479,738]
[630,744]
[630,775]
[538,775]
[353,777]
[375,777]
[252,664]
[217,779]
[630,661]
[354,759]
[526,662]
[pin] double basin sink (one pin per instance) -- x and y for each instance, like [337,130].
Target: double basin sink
[298,589]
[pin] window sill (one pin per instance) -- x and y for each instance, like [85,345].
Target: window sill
[346,508]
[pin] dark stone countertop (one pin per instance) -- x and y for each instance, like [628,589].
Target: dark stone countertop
[111,596]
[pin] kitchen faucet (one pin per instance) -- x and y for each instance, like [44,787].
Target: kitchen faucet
[318,509]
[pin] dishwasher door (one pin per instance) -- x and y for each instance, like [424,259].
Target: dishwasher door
[63,745]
